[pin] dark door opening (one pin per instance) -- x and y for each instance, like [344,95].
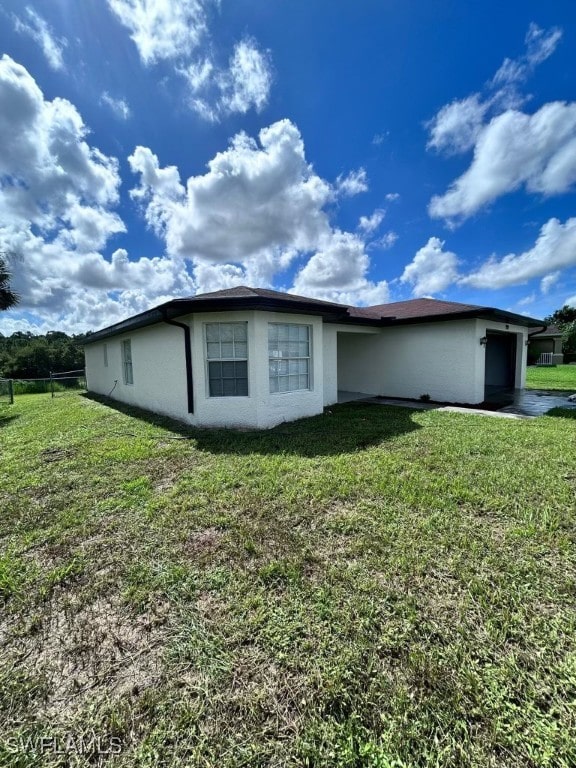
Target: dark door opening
[500,363]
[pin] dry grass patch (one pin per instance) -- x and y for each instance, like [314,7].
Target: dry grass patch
[93,652]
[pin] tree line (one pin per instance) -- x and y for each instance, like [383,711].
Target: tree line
[30,356]
[26,356]
[565,320]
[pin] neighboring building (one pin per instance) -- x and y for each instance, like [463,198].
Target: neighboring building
[548,342]
[250,357]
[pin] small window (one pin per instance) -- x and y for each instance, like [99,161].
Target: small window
[227,356]
[127,362]
[105,355]
[288,357]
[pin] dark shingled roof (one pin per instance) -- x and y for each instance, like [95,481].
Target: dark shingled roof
[552,330]
[243,291]
[243,297]
[401,310]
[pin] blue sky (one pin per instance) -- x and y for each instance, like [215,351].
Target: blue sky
[357,152]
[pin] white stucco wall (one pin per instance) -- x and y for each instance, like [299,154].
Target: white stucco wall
[436,359]
[160,373]
[361,365]
[330,364]
[158,365]
[444,360]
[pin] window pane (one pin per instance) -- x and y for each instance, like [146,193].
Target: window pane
[242,387]
[240,332]
[226,349]
[241,369]
[213,332]
[283,332]
[226,332]
[240,349]
[215,370]
[293,332]
[292,349]
[216,388]
[213,349]
[304,384]
[273,384]
[303,349]
[303,332]
[228,387]
[283,384]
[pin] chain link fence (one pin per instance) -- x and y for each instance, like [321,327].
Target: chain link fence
[57,384]
[6,391]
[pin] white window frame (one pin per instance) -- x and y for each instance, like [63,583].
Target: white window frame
[105,352]
[127,365]
[293,359]
[227,355]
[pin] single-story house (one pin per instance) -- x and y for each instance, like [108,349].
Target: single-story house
[251,357]
[547,342]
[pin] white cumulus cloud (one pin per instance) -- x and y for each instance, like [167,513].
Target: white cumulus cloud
[338,272]
[118,106]
[387,240]
[456,126]
[258,208]
[45,161]
[57,200]
[162,29]
[353,183]
[515,150]
[555,249]
[247,82]
[432,270]
[37,28]
[549,281]
[371,223]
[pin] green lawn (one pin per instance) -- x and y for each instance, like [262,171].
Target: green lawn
[555,377]
[376,587]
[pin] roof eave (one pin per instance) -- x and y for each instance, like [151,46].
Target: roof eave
[487,313]
[180,307]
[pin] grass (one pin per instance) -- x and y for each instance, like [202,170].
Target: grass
[374,587]
[554,377]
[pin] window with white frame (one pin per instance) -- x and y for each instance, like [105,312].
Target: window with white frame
[127,362]
[105,348]
[289,357]
[227,358]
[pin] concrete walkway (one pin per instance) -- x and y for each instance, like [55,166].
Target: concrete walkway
[524,404]
[535,402]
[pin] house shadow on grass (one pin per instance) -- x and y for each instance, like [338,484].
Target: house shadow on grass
[6,418]
[563,413]
[340,429]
